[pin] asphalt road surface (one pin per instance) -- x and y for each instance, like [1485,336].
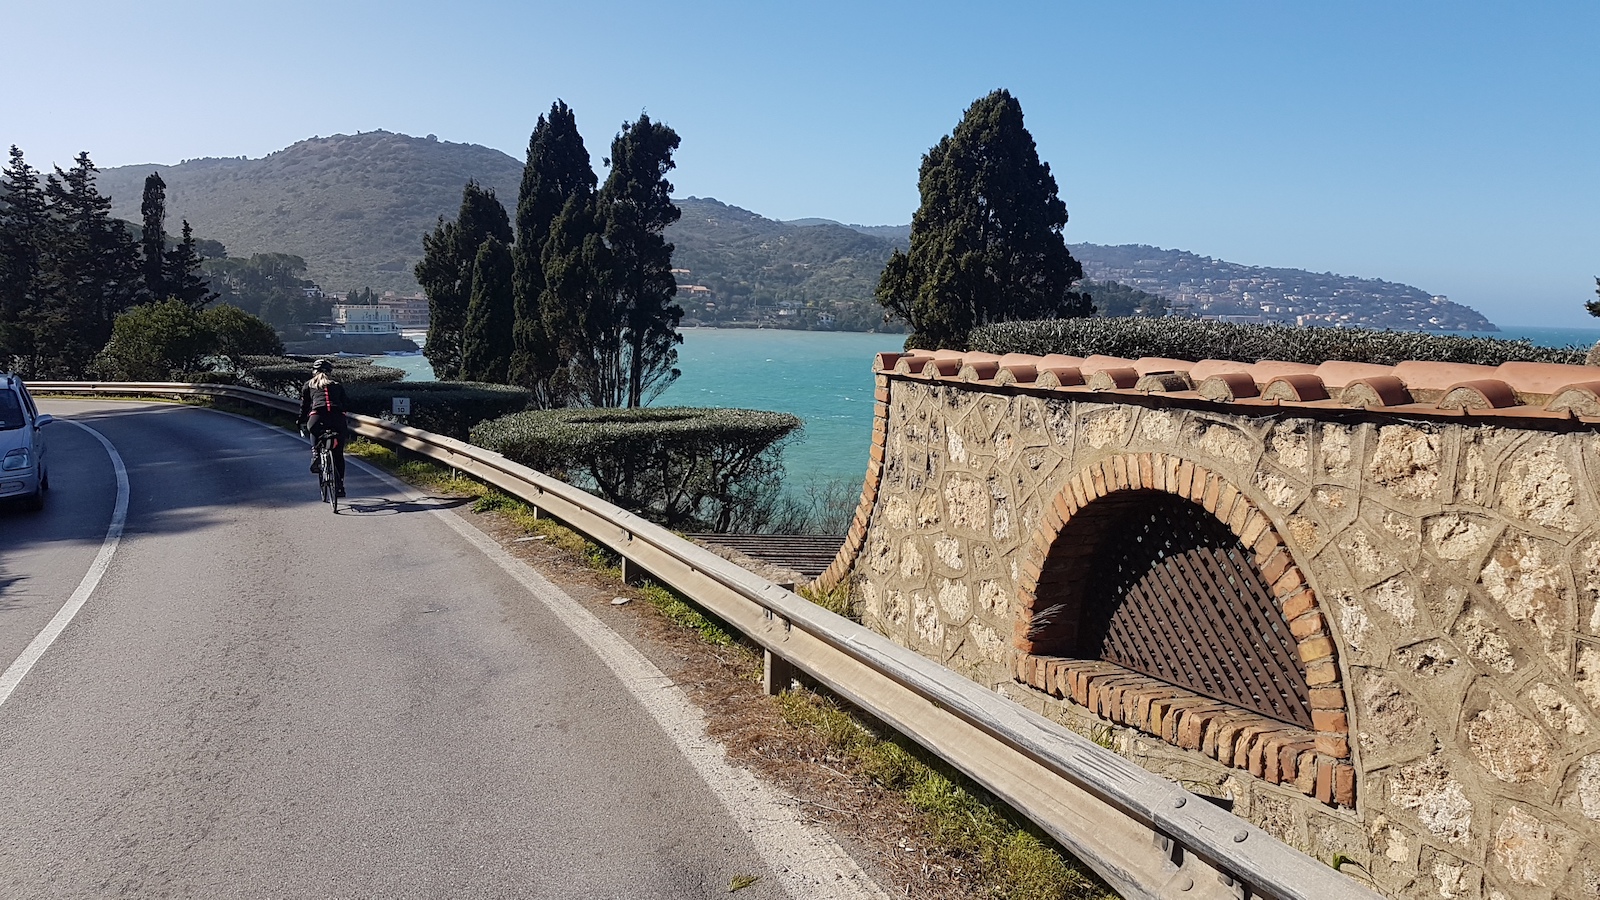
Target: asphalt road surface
[260,699]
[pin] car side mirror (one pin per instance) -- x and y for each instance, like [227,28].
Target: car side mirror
[43,420]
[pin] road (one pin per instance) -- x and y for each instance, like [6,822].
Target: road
[260,699]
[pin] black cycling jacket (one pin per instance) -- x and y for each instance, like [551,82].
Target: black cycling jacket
[322,400]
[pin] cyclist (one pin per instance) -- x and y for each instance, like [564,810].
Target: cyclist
[322,408]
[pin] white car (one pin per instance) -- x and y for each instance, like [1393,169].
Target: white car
[23,471]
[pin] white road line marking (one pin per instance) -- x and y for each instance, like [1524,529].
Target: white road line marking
[805,859]
[63,617]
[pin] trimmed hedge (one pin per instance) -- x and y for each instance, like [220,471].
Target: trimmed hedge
[682,467]
[443,407]
[284,375]
[1197,339]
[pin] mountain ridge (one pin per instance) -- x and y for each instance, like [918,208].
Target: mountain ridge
[355,207]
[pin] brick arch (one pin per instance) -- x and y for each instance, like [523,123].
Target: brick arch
[1317,761]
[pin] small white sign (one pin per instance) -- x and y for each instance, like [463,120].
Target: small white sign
[402,406]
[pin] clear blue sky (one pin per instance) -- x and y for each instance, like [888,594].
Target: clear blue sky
[1452,146]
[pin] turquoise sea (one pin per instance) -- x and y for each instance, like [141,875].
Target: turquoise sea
[825,378]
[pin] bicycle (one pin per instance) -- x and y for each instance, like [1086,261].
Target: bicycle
[327,475]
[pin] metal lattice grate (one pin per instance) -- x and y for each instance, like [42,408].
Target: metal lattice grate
[1177,597]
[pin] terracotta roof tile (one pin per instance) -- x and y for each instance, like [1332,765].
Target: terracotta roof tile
[1299,387]
[1543,378]
[1483,393]
[1060,376]
[1095,363]
[1268,369]
[1017,373]
[1579,399]
[1439,376]
[1512,390]
[1146,365]
[1206,368]
[979,369]
[1376,391]
[1227,386]
[1112,378]
[1164,382]
[911,363]
[1336,374]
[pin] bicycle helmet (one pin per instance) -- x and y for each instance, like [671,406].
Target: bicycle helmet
[322,365]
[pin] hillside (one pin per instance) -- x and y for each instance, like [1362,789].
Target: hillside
[356,207]
[761,270]
[1215,287]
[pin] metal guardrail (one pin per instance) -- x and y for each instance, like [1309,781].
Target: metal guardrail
[1146,836]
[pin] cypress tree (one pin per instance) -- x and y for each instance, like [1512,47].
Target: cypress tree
[486,341]
[25,233]
[182,273]
[153,209]
[445,272]
[636,206]
[578,310]
[557,169]
[986,243]
[97,272]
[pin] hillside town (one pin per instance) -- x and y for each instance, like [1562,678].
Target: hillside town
[1199,286]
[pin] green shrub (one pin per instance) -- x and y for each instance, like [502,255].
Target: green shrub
[1196,339]
[685,468]
[443,407]
[284,375]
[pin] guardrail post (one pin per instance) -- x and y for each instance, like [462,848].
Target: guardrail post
[777,673]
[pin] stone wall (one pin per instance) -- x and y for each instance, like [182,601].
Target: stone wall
[1440,572]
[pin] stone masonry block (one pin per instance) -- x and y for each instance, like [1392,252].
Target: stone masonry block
[1147,471]
[1212,493]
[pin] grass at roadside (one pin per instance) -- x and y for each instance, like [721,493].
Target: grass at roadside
[1014,861]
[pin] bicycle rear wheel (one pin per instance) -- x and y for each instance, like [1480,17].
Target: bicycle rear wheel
[330,467]
[325,475]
